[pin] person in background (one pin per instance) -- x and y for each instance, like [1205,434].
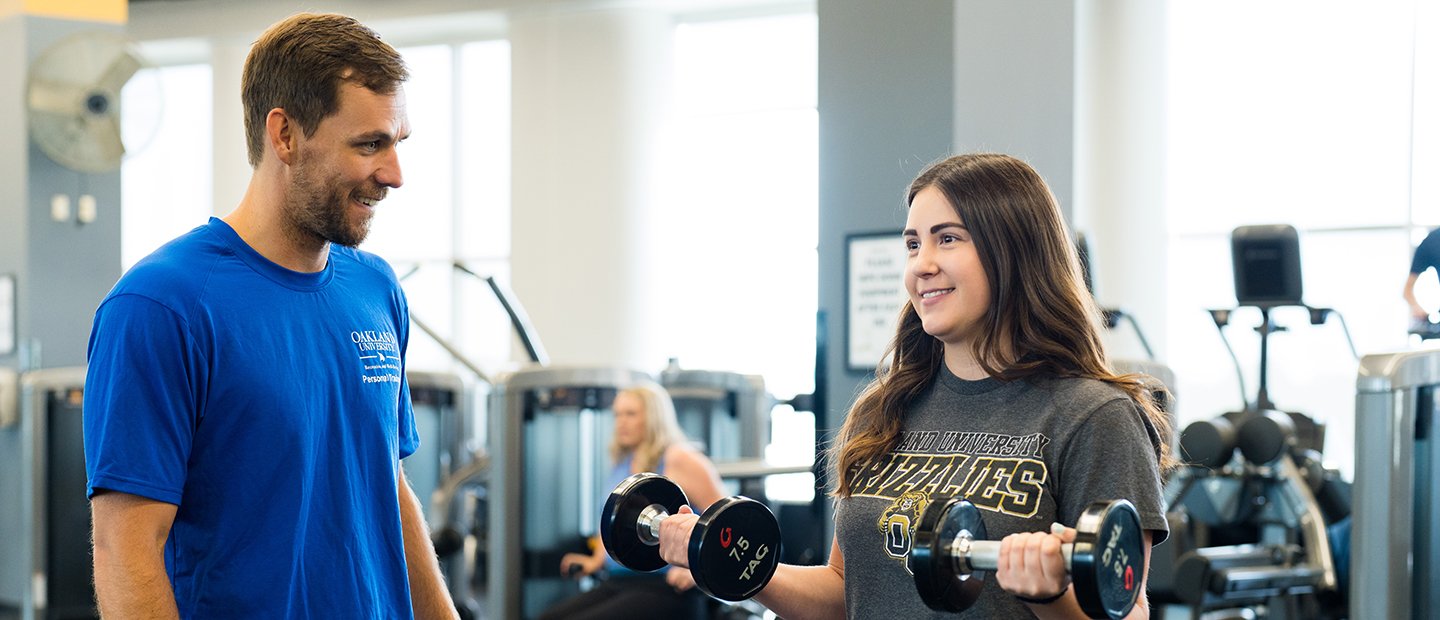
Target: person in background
[647,439]
[997,387]
[1427,256]
[246,406]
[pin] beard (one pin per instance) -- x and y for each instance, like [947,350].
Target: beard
[320,208]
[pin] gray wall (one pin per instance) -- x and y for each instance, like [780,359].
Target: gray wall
[62,269]
[886,105]
[14,156]
[1015,85]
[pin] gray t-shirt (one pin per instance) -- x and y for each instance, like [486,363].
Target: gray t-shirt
[1027,453]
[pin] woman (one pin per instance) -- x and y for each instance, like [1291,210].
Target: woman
[647,439]
[997,390]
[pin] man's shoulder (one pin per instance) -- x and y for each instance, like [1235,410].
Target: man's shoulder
[1431,242]
[179,269]
[365,260]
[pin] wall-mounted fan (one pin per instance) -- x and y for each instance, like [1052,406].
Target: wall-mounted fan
[73,100]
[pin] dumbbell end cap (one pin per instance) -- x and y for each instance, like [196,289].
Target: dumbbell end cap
[1107,565]
[940,585]
[735,548]
[620,520]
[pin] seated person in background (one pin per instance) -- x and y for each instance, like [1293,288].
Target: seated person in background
[647,439]
[1427,255]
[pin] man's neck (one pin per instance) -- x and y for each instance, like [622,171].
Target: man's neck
[259,220]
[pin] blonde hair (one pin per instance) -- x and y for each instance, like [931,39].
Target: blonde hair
[662,430]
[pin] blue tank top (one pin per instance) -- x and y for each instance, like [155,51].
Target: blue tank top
[618,474]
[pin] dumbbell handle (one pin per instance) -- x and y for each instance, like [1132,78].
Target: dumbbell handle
[971,555]
[648,524]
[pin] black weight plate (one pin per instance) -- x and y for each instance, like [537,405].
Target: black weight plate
[940,586]
[1107,562]
[1208,443]
[1265,436]
[620,519]
[735,548]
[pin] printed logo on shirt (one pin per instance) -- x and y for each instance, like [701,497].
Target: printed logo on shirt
[996,472]
[898,523]
[379,353]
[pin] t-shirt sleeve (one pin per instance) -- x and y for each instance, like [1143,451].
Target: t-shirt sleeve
[140,399]
[1427,255]
[1112,456]
[409,437]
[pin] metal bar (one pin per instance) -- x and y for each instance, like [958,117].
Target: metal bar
[758,468]
[449,348]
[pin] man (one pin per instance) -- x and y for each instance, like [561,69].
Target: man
[1427,255]
[246,407]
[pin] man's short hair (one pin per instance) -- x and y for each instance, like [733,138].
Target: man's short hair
[299,64]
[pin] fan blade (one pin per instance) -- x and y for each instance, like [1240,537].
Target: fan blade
[55,98]
[106,132]
[119,72]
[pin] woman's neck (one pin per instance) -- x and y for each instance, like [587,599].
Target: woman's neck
[961,363]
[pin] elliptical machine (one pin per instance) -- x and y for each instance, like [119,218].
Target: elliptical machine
[1251,507]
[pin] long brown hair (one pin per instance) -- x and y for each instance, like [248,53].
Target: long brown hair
[1041,319]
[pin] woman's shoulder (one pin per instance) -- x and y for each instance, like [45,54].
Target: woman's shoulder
[685,457]
[1081,393]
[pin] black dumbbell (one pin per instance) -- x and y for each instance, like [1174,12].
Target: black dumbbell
[734,548]
[1106,562]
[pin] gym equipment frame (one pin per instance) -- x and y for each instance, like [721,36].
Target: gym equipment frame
[1396,514]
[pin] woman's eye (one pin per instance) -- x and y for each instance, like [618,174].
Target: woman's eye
[911,244]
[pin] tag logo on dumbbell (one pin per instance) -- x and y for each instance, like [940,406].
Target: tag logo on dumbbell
[742,545]
[1113,553]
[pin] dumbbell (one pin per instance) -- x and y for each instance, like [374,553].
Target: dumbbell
[734,548]
[951,557]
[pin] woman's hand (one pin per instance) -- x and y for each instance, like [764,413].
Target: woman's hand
[680,578]
[579,565]
[675,537]
[1031,565]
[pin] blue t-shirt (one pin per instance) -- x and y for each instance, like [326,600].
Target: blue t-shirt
[271,407]
[1427,254]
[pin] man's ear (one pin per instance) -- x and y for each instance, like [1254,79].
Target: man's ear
[282,135]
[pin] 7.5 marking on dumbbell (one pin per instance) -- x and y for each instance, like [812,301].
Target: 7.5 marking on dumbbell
[726,537]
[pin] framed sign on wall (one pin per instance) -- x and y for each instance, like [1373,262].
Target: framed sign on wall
[874,294]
